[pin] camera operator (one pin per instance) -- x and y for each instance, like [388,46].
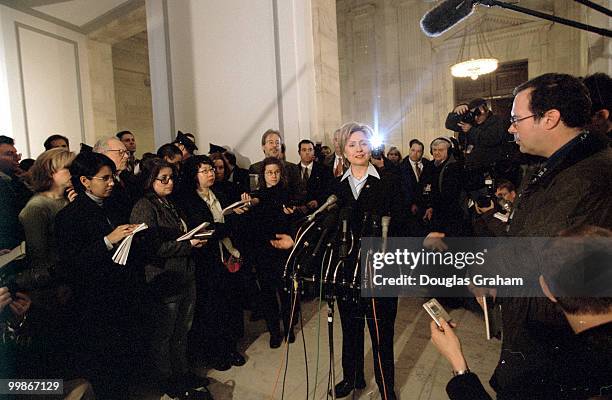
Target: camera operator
[491,215]
[484,140]
[380,161]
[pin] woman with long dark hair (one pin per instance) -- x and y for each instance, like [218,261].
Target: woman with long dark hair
[170,275]
[271,217]
[87,234]
[218,322]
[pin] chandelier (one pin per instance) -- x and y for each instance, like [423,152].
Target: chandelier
[483,63]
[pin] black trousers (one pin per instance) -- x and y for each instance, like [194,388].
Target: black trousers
[353,316]
[272,290]
[171,320]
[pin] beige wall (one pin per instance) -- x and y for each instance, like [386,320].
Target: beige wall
[396,79]
[133,91]
[102,88]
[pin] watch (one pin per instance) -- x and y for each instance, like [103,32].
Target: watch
[461,372]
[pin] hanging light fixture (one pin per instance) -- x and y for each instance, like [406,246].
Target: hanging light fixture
[484,63]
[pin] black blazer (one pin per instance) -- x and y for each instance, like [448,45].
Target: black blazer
[319,184]
[240,177]
[100,286]
[409,179]
[380,197]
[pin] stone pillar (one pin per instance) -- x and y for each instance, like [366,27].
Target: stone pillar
[327,112]
[102,88]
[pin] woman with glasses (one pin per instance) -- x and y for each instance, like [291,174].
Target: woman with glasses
[88,233]
[218,321]
[271,217]
[170,275]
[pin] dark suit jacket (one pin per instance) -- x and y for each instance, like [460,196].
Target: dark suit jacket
[410,184]
[318,186]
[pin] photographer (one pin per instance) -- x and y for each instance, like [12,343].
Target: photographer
[491,218]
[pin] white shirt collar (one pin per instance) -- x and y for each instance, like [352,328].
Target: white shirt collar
[309,166]
[371,171]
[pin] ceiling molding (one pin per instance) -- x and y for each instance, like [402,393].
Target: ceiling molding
[19,6]
[112,14]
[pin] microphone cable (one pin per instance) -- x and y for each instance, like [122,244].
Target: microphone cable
[382,374]
[280,365]
[305,354]
[293,294]
[319,324]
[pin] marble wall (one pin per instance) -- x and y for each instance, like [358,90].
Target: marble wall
[396,79]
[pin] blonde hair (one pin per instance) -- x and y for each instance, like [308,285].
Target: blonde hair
[47,164]
[348,129]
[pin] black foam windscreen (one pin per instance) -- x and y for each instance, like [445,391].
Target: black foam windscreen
[443,17]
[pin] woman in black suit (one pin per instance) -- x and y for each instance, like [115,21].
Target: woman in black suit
[218,322]
[105,293]
[170,274]
[271,217]
[364,191]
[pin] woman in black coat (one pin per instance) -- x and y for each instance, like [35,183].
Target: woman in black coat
[271,217]
[218,322]
[105,293]
[170,274]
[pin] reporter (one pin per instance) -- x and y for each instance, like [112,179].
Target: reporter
[170,275]
[105,293]
[269,218]
[218,320]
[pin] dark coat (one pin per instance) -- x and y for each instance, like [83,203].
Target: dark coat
[579,369]
[100,286]
[240,177]
[572,190]
[218,297]
[441,189]
[410,184]
[318,186]
[168,264]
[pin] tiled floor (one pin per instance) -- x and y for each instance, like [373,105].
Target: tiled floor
[421,373]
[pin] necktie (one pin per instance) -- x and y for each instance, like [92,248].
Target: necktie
[305,175]
[338,170]
[418,171]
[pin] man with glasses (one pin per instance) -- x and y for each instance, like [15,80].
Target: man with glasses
[571,188]
[271,145]
[126,191]
[13,194]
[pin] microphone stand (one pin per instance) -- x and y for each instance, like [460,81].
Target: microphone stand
[553,18]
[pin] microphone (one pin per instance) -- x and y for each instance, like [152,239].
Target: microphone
[376,229]
[328,223]
[385,231]
[329,202]
[443,17]
[345,215]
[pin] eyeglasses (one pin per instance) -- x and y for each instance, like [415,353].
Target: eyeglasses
[514,120]
[122,152]
[106,178]
[165,179]
[206,170]
[272,173]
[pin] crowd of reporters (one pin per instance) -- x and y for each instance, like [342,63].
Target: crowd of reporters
[176,305]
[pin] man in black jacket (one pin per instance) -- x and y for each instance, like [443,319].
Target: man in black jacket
[580,367]
[315,179]
[571,188]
